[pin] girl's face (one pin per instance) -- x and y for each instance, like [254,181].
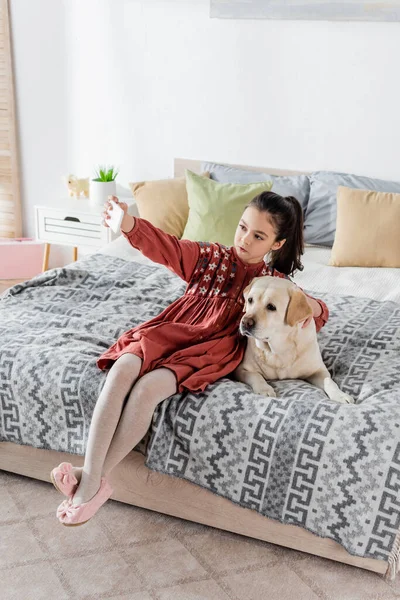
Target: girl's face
[255,236]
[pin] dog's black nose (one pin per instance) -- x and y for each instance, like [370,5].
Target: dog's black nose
[248,322]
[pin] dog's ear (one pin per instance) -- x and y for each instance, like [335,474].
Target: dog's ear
[248,288]
[246,291]
[298,308]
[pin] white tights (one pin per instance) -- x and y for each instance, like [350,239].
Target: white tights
[117,427]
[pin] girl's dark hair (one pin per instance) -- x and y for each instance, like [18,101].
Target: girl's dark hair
[286,216]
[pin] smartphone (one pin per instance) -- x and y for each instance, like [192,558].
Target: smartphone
[116,215]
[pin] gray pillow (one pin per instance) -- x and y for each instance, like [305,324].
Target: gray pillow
[285,185]
[320,222]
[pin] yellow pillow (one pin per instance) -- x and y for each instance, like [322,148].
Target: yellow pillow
[367,229]
[164,203]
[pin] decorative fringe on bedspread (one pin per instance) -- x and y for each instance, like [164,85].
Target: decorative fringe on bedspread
[394,559]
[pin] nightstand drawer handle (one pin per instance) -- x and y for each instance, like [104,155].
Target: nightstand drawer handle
[72,219]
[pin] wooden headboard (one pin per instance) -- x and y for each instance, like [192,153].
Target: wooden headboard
[180,164]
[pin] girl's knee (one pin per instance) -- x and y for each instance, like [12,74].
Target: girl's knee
[128,359]
[155,386]
[127,365]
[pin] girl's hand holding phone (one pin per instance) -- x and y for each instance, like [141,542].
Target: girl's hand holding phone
[127,222]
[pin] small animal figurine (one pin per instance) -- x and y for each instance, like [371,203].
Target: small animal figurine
[77,187]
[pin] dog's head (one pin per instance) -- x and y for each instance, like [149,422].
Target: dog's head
[272,305]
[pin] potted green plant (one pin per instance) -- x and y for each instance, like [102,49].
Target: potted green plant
[102,185]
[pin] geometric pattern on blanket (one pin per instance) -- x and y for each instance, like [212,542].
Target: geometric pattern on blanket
[330,468]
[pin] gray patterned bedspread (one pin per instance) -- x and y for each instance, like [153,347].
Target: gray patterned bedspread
[333,469]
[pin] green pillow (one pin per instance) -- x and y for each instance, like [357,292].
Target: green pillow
[215,208]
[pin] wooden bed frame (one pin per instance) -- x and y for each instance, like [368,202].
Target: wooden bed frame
[137,485]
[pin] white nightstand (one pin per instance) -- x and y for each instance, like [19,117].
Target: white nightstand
[74,223]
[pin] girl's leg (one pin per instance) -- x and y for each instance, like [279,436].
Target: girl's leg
[135,420]
[106,414]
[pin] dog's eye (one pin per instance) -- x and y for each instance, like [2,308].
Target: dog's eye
[249,300]
[271,307]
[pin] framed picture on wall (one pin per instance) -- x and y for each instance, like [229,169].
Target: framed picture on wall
[356,10]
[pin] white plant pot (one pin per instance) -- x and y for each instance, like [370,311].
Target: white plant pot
[100,190]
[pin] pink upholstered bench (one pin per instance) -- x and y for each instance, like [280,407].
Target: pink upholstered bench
[20,258]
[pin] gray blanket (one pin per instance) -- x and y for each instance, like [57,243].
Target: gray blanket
[300,458]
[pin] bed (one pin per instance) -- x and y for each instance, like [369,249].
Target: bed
[337,476]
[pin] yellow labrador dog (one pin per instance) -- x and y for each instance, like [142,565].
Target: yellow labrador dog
[278,347]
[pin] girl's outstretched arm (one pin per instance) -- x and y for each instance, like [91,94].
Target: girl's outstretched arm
[180,256]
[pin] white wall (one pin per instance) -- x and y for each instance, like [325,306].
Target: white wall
[139,82]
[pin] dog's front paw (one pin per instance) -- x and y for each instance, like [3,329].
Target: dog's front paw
[335,393]
[264,389]
[344,398]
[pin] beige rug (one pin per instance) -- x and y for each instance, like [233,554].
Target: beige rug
[128,553]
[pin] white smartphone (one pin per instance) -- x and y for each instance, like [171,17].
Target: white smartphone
[116,215]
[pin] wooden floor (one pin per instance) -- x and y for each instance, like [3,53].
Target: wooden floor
[128,553]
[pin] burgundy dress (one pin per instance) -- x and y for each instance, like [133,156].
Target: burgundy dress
[197,336]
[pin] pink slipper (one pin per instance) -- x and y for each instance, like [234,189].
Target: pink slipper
[63,479]
[70,515]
